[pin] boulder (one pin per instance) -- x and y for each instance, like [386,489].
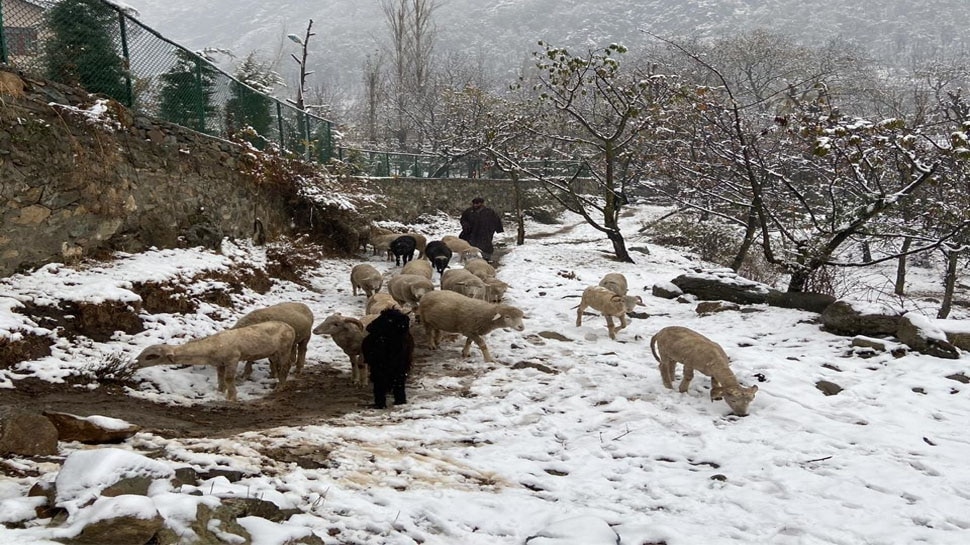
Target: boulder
[845,317]
[91,429]
[126,520]
[722,285]
[957,332]
[923,336]
[712,307]
[811,302]
[666,290]
[28,434]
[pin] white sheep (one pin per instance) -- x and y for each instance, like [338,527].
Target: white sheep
[461,248]
[615,282]
[495,290]
[297,315]
[224,350]
[463,282]
[418,266]
[380,301]
[480,268]
[696,352]
[382,244]
[347,332]
[366,278]
[408,289]
[453,312]
[609,304]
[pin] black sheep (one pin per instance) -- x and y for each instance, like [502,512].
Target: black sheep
[403,247]
[388,350]
[440,255]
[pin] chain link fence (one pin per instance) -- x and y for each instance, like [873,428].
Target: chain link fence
[96,45]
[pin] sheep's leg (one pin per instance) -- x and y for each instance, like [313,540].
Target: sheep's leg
[610,326]
[623,322]
[380,392]
[229,373]
[688,376]
[221,377]
[480,341]
[667,373]
[400,397]
[247,371]
[282,363]
[301,355]
[579,314]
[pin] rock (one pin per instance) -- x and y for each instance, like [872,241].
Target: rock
[957,332]
[845,317]
[920,334]
[812,302]
[722,285]
[828,388]
[711,307]
[126,520]
[666,290]
[91,429]
[583,530]
[869,342]
[28,434]
[554,336]
[85,474]
[537,366]
[11,84]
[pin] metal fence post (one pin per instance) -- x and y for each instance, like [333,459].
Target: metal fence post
[124,51]
[3,38]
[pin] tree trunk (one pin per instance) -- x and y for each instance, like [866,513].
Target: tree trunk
[949,282]
[901,268]
[619,246]
[866,252]
[750,230]
[519,214]
[798,280]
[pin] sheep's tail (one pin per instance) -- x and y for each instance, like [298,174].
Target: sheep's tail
[653,348]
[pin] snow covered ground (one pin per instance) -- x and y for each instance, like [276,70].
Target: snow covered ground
[569,436]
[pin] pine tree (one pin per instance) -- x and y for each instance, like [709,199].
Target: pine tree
[250,105]
[81,50]
[186,92]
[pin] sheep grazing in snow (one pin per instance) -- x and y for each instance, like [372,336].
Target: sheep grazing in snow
[366,278]
[676,344]
[382,243]
[463,282]
[380,301]
[300,318]
[419,267]
[439,254]
[388,350]
[461,247]
[408,289]
[609,304]
[453,312]
[224,350]
[347,333]
[615,282]
[403,248]
[480,268]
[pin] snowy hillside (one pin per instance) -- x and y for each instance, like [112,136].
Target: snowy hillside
[505,32]
[568,436]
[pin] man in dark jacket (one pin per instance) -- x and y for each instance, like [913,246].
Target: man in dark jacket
[478,224]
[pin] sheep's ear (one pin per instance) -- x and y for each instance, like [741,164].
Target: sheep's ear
[497,317]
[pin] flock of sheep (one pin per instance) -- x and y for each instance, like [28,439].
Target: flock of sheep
[379,343]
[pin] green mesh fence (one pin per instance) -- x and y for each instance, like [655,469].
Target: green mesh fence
[96,46]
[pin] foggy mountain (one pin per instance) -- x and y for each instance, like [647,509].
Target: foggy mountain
[502,33]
